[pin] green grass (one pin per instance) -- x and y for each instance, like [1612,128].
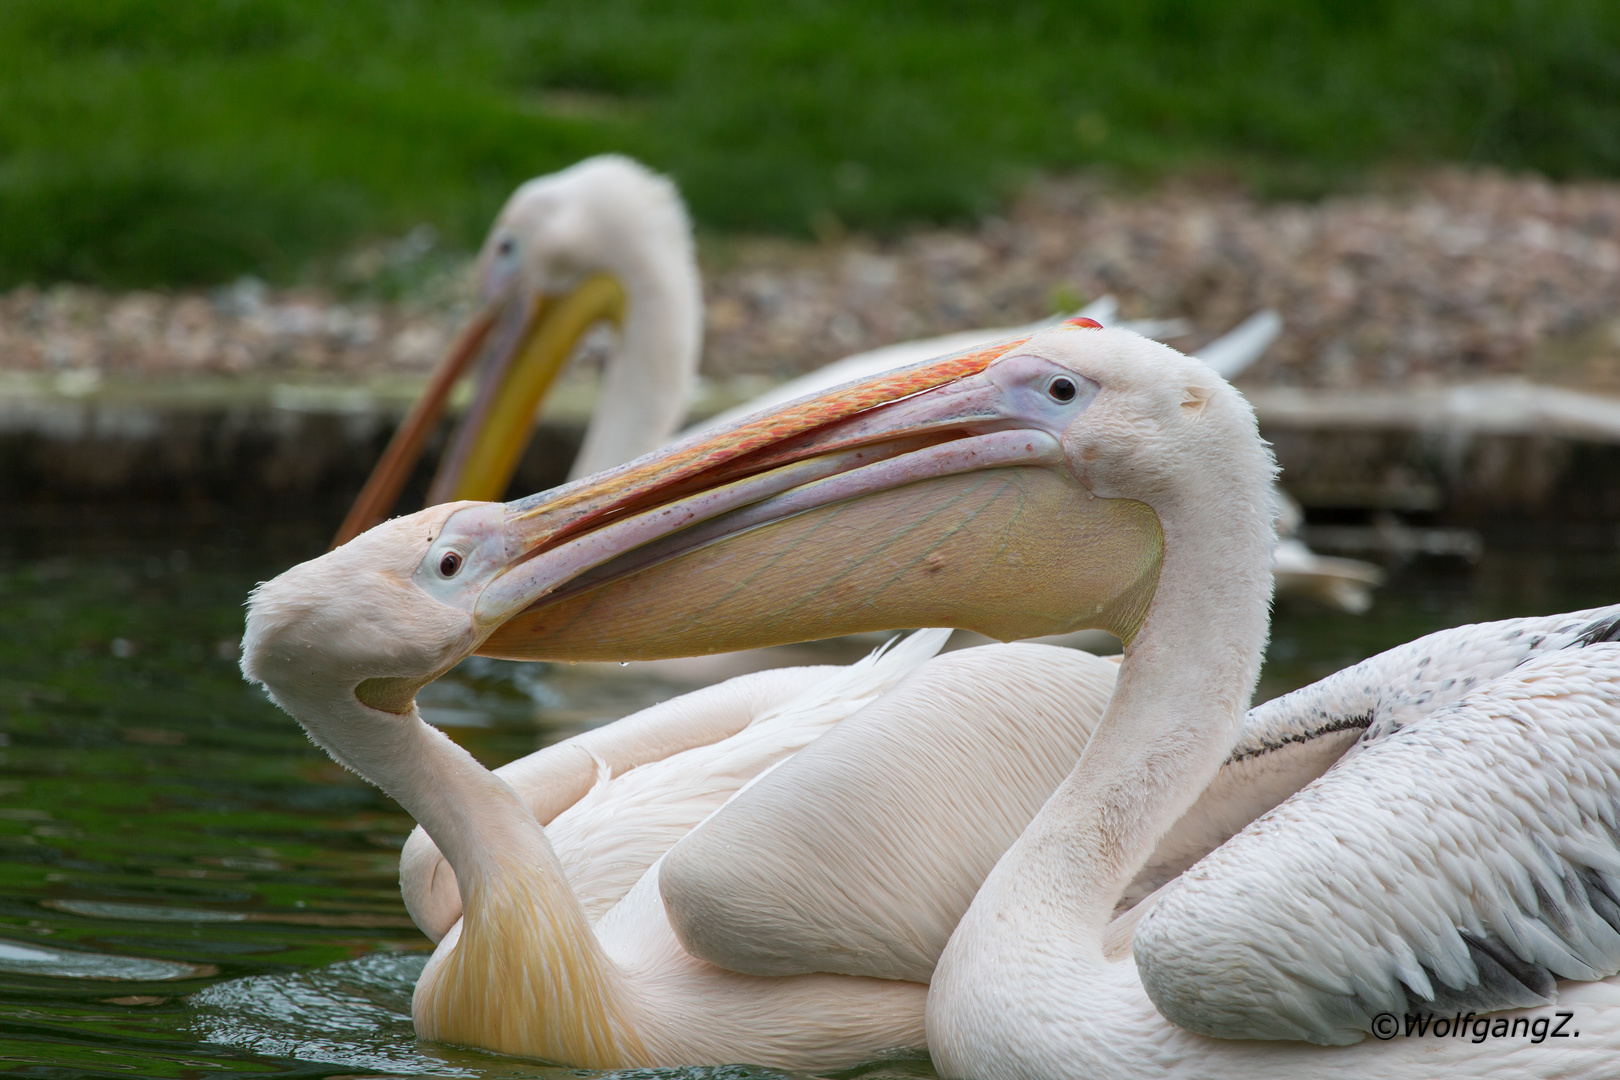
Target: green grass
[169,141]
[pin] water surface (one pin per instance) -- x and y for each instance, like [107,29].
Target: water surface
[189,888]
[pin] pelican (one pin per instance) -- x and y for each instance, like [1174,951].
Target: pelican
[563,952]
[607,240]
[603,241]
[1436,827]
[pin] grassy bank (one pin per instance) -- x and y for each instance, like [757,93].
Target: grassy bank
[166,141]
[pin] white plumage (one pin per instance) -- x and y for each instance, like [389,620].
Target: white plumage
[1291,740]
[853,828]
[859,854]
[1486,812]
[609,838]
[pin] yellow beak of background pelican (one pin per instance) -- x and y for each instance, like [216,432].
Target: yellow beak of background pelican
[486,449]
[489,442]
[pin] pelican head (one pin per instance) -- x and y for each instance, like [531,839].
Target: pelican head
[1015,489]
[603,241]
[606,241]
[377,617]
[602,216]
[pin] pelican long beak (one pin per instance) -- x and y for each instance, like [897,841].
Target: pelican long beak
[484,452]
[936,495]
[525,338]
[393,469]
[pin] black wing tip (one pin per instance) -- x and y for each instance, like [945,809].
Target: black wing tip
[1505,982]
[1604,630]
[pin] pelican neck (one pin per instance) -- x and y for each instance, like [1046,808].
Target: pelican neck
[1184,687]
[523,931]
[646,384]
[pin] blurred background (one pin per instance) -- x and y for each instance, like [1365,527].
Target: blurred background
[236,236]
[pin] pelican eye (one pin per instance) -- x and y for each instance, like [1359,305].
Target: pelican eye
[450,564]
[506,246]
[1062,389]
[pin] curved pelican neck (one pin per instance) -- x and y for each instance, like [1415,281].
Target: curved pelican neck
[1183,689]
[475,817]
[647,382]
[482,826]
[524,932]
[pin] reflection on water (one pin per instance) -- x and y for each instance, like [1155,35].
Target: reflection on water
[356,1013]
[188,887]
[20,959]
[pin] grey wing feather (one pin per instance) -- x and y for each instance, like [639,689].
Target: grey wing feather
[1459,860]
[1289,741]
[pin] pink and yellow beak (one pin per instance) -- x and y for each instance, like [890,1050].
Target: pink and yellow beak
[524,338]
[936,495]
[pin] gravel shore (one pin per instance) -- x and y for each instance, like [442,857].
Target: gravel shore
[1456,277]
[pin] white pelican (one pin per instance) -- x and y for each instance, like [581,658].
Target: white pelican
[1462,860]
[564,953]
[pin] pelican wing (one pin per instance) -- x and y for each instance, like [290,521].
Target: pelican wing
[1464,856]
[1232,353]
[1289,741]
[860,854]
[609,838]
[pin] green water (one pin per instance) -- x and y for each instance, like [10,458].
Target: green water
[189,888]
